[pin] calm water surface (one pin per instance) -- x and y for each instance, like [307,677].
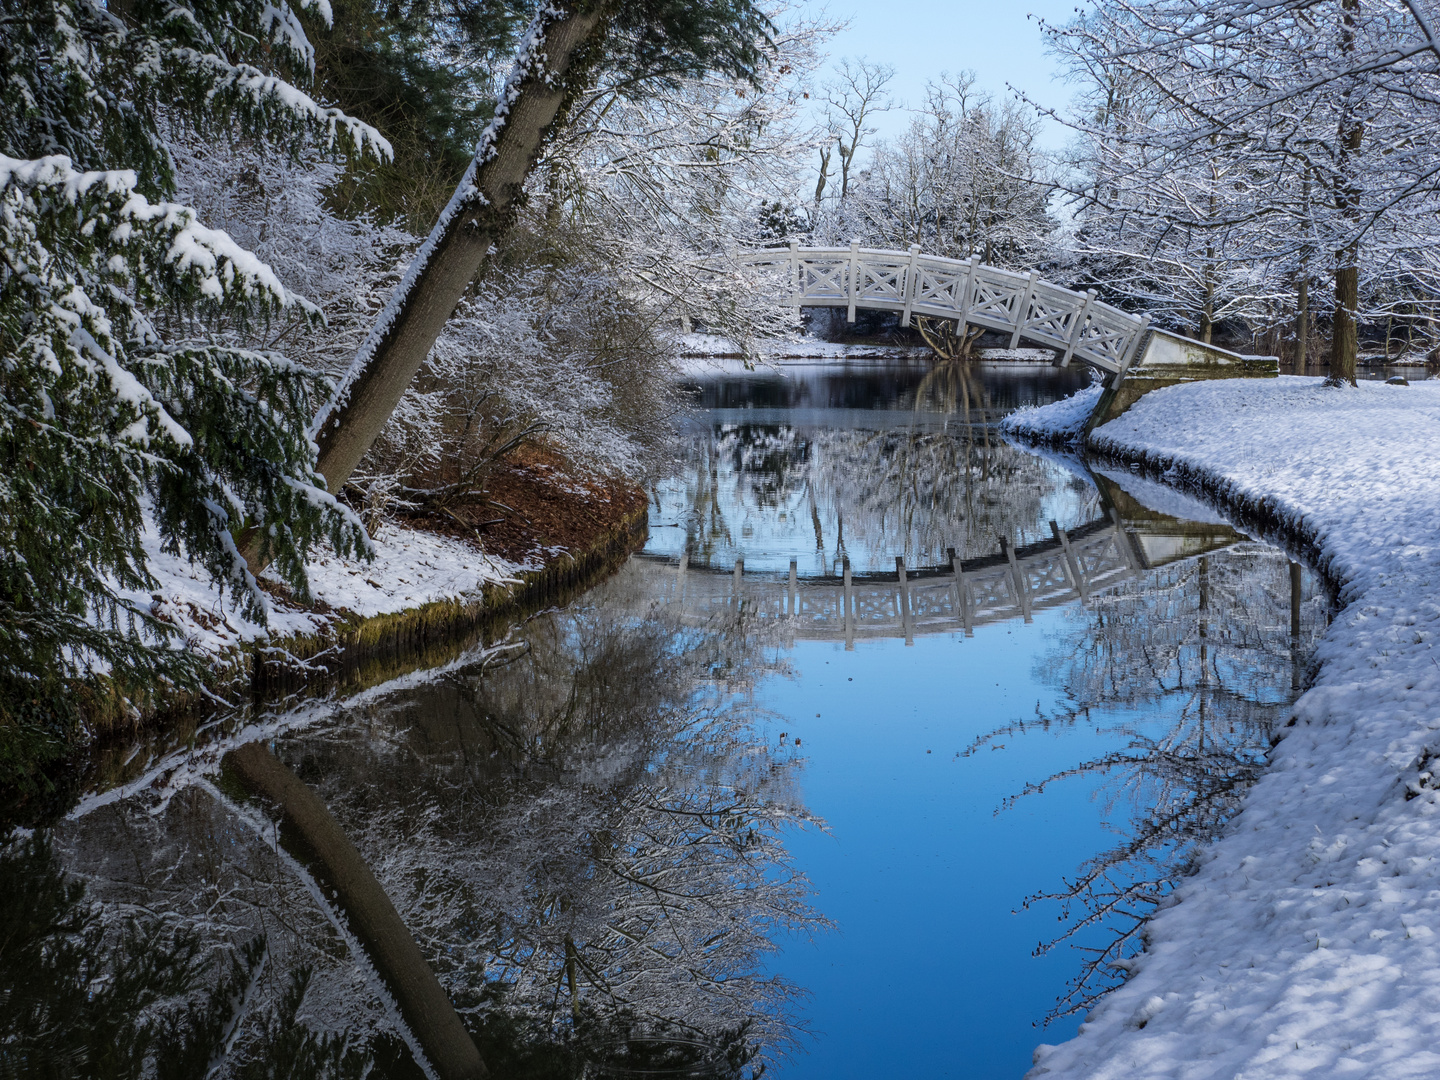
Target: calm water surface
[702,820]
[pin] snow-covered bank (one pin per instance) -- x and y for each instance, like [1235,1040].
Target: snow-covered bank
[411,568]
[715,348]
[1059,423]
[1306,944]
[708,353]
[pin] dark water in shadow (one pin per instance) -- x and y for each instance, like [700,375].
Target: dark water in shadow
[677,829]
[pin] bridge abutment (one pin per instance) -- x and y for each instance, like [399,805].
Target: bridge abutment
[1166,359]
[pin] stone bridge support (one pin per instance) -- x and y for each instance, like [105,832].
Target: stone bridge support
[1165,359]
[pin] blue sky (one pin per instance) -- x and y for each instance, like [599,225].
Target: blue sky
[921,38]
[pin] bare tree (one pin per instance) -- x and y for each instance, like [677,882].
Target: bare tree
[1200,659]
[967,178]
[853,98]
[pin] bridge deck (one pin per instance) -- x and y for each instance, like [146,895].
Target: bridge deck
[971,292]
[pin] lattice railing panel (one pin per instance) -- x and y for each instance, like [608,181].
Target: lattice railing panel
[995,298]
[1052,315]
[824,279]
[882,281]
[821,604]
[933,602]
[993,592]
[1046,578]
[1107,335]
[1102,560]
[876,605]
[940,287]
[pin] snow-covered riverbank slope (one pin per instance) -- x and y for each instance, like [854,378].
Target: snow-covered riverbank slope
[1308,943]
[411,568]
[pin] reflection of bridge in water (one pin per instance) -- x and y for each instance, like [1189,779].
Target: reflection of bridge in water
[1072,565]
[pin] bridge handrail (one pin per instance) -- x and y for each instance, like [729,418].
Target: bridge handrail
[969,291]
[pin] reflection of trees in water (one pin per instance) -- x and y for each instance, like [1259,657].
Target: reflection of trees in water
[1209,645]
[167,947]
[589,830]
[918,493]
[859,492]
[582,833]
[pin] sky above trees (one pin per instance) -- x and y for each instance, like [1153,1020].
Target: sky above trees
[999,42]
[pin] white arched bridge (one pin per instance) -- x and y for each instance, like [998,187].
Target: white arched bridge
[970,292]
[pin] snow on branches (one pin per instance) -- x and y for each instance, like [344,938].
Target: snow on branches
[101,415]
[1248,148]
[966,178]
[128,386]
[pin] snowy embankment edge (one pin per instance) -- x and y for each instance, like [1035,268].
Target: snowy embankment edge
[694,347]
[1305,942]
[422,588]
[1059,424]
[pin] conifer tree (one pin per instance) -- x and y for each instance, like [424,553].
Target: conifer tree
[125,399]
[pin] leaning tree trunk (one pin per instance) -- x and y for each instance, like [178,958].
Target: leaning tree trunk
[479,214]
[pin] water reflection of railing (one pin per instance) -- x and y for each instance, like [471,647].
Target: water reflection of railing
[938,599]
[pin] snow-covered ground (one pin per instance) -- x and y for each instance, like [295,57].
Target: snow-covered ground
[1308,942]
[715,348]
[698,346]
[411,568]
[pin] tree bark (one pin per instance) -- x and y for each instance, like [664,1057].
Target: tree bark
[1345,339]
[825,152]
[372,917]
[1302,326]
[1302,298]
[479,214]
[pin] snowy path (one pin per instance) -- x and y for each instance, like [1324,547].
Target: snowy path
[1307,944]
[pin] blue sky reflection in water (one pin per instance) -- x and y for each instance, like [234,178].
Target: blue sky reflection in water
[930,971]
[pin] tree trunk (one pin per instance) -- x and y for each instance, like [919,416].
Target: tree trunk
[1345,340]
[825,152]
[372,917]
[1207,310]
[1302,326]
[479,214]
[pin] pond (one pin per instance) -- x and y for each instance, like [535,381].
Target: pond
[765,798]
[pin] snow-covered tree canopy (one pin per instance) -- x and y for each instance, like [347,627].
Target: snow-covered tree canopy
[1232,137]
[128,407]
[965,179]
[89,81]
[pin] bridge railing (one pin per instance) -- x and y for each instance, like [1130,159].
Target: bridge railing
[968,291]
